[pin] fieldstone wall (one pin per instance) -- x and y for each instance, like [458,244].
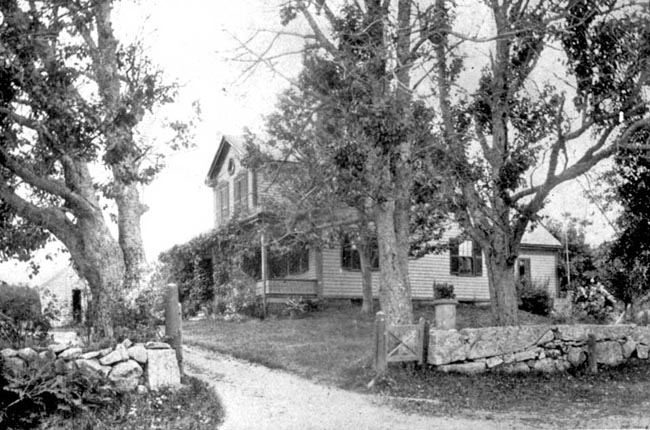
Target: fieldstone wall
[128,366]
[541,348]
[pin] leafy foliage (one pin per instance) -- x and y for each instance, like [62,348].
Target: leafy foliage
[211,269]
[534,297]
[582,257]
[21,318]
[629,254]
[28,396]
[593,303]
[443,290]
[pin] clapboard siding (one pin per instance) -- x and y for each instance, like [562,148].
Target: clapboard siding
[543,268]
[342,283]
[338,282]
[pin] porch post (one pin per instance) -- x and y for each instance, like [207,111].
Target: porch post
[264,272]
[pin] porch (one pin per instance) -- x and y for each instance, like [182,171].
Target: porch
[285,288]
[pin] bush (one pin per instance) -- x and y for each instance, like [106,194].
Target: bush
[443,290]
[238,297]
[21,319]
[592,303]
[38,391]
[534,297]
[300,305]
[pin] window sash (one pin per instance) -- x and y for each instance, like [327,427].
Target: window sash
[224,201]
[241,193]
[465,259]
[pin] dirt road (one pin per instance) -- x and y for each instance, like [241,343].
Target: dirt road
[256,397]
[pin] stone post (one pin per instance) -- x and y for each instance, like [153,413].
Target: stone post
[380,359]
[173,322]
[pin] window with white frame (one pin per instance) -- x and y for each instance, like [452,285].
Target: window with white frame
[465,258]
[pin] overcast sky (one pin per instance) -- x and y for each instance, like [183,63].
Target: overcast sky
[195,42]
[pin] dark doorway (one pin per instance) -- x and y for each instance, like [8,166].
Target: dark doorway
[76,306]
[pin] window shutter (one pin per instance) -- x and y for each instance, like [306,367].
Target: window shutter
[453,257]
[478,259]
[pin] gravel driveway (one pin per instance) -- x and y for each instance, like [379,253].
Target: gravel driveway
[256,397]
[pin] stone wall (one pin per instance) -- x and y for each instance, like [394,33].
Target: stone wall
[542,348]
[128,366]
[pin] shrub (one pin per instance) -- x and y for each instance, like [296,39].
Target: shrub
[593,303]
[300,305]
[30,395]
[534,297]
[238,296]
[443,290]
[21,319]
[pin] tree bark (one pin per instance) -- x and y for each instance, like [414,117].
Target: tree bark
[96,255]
[98,259]
[394,284]
[122,153]
[364,248]
[129,214]
[500,263]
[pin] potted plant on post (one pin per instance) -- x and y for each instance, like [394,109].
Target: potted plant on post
[444,304]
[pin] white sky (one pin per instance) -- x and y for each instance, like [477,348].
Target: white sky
[194,41]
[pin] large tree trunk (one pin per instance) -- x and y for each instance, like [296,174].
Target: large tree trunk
[122,152]
[96,254]
[501,278]
[394,285]
[130,211]
[364,248]
[98,259]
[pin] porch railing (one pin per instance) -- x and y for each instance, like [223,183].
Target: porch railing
[289,287]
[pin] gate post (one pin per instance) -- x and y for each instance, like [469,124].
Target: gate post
[380,359]
[173,322]
[423,341]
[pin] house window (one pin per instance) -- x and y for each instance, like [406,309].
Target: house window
[241,193]
[465,258]
[523,270]
[223,198]
[292,262]
[254,188]
[350,259]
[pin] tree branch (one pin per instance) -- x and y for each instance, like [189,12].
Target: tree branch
[48,185]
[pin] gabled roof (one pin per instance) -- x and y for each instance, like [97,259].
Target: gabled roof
[65,278]
[539,236]
[228,142]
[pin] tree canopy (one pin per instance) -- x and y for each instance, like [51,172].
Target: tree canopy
[71,99]
[391,79]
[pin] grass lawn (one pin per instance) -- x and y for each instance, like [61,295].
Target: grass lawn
[334,346]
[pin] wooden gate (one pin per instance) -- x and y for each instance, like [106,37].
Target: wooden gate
[399,343]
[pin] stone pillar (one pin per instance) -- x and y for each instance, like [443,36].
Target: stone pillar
[173,322]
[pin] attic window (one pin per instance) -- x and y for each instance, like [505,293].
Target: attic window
[231,167]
